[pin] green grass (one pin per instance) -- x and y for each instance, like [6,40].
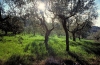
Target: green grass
[30,45]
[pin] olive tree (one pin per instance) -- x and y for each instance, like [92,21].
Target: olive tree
[23,7]
[65,9]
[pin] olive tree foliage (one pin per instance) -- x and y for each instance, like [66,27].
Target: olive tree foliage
[10,22]
[3,23]
[30,7]
[83,32]
[41,16]
[21,9]
[88,21]
[82,24]
[77,25]
[65,9]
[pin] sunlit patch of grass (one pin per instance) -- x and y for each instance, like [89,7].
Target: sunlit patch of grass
[13,45]
[7,49]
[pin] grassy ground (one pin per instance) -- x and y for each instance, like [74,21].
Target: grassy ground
[26,47]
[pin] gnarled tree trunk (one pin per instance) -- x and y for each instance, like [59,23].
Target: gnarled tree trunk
[46,39]
[67,41]
[67,34]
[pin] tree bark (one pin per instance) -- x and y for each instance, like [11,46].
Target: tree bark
[74,38]
[67,34]
[46,28]
[80,35]
[79,38]
[47,38]
[5,32]
[67,40]
[34,33]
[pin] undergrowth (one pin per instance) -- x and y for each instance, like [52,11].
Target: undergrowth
[26,47]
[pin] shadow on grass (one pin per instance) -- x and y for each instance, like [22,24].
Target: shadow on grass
[78,59]
[93,44]
[92,47]
[7,34]
[1,62]
[89,47]
[51,51]
[20,60]
[75,43]
[38,49]
[92,50]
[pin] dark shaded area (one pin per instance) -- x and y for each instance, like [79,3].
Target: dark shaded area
[1,63]
[88,47]
[10,24]
[20,60]
[78,59]
[7,27]
[52,61]
[75,44]
[1,35]
[92,48]
[51,51]
[69,62]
